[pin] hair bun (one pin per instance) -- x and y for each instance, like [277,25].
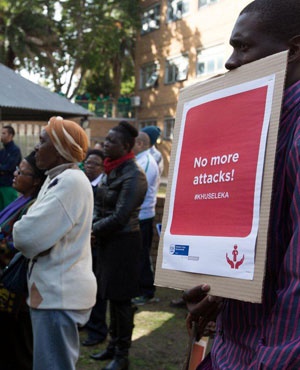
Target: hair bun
[129,128]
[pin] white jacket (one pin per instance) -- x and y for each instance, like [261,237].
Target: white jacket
[59,222]
[147,162]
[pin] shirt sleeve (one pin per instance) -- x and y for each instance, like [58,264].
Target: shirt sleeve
[42,227]
[280,347]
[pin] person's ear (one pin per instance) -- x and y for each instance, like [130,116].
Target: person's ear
[294,49]
[127,147]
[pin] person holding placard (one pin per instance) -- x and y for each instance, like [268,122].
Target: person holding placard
[266,335]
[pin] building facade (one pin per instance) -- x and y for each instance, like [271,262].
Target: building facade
[181,42]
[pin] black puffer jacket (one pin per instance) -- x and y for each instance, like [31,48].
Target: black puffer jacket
[118,200]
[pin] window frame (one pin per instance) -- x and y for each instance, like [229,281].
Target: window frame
[168,132]
[177,14]
[151,15]
[207,3]
[147,122]
[213,54]
[149,75]
[173,73]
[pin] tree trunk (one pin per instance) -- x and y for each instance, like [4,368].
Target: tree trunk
[117,79]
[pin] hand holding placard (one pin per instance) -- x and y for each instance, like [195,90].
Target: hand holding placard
[203,308]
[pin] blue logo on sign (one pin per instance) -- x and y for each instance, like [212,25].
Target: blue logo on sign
[179,250]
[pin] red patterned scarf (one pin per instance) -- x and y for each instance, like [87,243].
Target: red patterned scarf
[110,164]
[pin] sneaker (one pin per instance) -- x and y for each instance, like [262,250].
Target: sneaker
[141,300]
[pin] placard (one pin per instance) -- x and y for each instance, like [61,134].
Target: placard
[216,213]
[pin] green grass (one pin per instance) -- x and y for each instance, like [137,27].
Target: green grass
[159,338]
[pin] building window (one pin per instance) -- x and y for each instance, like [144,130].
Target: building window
[206,2]
[168,128]
[177,9]
[176,69]
[148,122]
[151,19]
[149,75]
[210,60]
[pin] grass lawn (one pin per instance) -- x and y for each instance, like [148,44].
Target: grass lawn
[159,337]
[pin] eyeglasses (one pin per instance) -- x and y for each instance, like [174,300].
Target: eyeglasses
[93,164]
[20,173]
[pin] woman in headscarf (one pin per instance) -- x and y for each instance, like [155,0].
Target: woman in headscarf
[16,346]
[118,239]
[55,236]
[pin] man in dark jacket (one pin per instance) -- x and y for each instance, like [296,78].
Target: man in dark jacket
[10,157]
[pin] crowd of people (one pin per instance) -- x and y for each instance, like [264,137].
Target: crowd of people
[106,105]
[87,234]
[80,228]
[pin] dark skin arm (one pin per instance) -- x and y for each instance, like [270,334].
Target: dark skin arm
[203,310]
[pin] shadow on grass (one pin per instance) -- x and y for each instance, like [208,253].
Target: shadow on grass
[159,339]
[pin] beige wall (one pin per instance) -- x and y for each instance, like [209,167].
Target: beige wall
[27,132]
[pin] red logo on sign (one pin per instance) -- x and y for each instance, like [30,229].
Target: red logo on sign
[234,263]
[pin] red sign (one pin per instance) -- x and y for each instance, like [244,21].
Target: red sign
[214,194]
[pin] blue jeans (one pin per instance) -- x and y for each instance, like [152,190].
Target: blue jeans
[55,338]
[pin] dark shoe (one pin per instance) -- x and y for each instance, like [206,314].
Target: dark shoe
[178,303]
[103,355]
[92,342]
[141,300]
[118,363]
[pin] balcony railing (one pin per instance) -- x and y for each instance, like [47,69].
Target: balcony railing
[108,108]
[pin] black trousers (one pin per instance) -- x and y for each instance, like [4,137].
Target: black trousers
[96,326]
[121,326]
[17,343]
[146,280]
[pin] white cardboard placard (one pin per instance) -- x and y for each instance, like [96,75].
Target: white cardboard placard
[216,213]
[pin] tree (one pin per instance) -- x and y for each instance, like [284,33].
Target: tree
[69,41]
[99,37]
[27,35]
